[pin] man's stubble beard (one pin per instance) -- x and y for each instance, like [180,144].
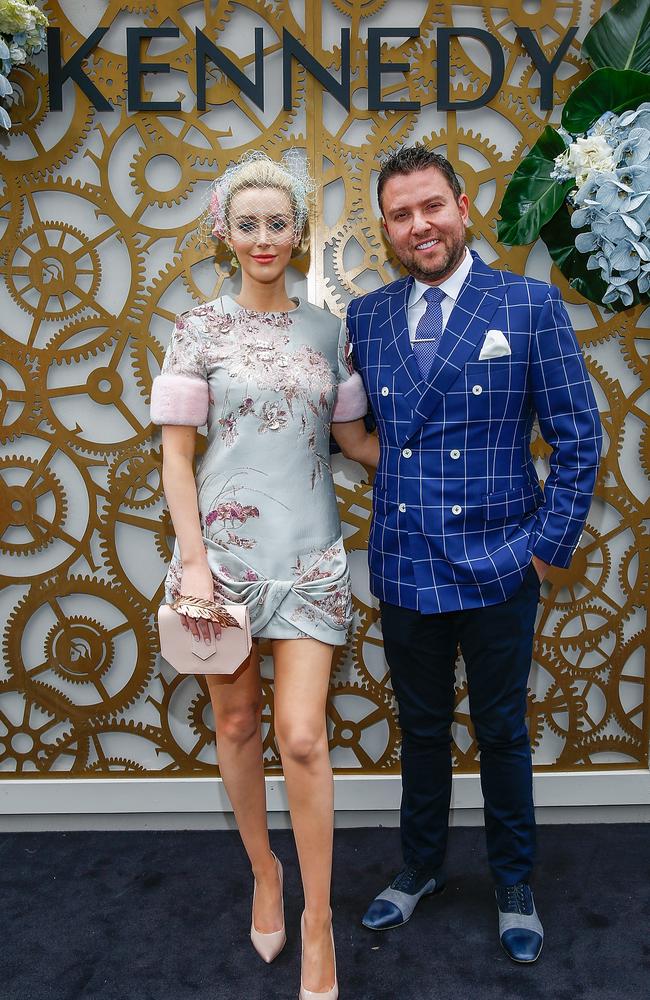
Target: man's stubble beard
[451,261]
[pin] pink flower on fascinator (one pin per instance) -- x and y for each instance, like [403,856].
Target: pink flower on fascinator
[216,211]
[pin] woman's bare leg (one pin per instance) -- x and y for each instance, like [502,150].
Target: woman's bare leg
[302,673]
[237,706]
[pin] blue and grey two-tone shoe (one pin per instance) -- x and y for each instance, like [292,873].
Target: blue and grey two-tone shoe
[395,905]
[520,929]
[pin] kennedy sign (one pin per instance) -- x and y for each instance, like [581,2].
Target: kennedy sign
[292,49]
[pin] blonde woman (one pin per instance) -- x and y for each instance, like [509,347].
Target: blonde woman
[259,524]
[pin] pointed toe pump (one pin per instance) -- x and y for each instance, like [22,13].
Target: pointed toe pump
[306,994]
[269,946]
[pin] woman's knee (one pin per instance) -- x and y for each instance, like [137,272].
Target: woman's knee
[301,744]
[240,723]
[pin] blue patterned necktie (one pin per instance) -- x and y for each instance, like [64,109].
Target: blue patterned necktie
[429,331]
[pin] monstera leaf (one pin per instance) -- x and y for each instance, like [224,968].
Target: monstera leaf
[532,196]
[614,90]
[620,39]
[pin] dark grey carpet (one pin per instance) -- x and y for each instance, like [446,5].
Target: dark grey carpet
[165,916]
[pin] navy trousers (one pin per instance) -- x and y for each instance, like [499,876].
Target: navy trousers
[496,643]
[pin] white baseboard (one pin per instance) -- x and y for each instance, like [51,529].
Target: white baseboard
[365,800]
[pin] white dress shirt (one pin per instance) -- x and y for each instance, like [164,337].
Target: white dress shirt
[450,286]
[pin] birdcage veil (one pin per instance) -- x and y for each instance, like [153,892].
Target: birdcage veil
[283,218]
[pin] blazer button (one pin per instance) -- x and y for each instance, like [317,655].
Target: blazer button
[407,453]
[402,508]
[456,509]
[454,453]
[385,390]
[477,390]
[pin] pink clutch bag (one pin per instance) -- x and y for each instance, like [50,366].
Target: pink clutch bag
[188,655]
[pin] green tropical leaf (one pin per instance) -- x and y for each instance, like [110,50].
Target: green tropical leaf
[620,39]
[532,196]
[614,90]
[559,237]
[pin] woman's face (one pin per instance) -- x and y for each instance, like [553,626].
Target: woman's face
[261,231]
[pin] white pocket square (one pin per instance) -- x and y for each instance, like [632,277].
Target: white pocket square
[495,345]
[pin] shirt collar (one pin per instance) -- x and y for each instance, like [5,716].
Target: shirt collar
[451,286]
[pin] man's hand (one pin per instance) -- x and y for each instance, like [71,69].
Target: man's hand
[541,568]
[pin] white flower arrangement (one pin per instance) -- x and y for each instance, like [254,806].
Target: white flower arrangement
[611,168]
[22,33]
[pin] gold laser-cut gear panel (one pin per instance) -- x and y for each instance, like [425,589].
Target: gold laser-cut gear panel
[91,263]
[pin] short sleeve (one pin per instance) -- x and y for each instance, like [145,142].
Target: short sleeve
[180,394]
[351,401]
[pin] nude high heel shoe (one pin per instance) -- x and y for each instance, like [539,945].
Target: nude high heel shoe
[269,946]
[309,994]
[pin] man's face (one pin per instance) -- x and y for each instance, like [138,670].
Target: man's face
[425,223]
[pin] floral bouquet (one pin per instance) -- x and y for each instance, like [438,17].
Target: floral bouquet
[22,32]
[585,187]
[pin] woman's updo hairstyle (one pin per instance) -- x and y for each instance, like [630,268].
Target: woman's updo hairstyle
[256,170]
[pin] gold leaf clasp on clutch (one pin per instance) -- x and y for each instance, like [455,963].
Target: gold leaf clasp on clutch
[199,607]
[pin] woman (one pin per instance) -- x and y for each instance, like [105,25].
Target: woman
[260,525]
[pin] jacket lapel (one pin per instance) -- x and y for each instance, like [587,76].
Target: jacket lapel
[396,342]
[476,304]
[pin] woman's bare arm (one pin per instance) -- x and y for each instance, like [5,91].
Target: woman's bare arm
[355,442]
[180,491]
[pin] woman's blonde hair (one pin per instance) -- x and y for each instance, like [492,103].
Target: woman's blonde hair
[256,171]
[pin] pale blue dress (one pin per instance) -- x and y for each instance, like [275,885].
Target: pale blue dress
[267,504]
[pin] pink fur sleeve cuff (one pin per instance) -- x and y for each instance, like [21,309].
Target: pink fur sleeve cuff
[179,399]
[351,402]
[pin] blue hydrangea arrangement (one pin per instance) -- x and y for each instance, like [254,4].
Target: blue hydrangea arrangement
[610,167]
[22,32]
[585,188]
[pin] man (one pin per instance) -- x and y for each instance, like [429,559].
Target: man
[457,360]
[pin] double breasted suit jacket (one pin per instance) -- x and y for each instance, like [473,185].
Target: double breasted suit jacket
[458,507]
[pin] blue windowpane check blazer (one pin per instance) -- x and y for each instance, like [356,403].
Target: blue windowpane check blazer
[458,510]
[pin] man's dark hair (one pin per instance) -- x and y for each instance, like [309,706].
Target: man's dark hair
[408,159]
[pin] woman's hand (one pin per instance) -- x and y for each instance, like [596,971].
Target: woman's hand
[196,581]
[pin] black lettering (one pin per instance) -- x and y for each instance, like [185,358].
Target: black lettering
[292,49]
[376,68]
[72,70]
[205,49]
[496,60]
[135,68]
[545,68]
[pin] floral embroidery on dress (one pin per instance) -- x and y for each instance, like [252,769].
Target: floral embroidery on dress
[231,511]
[272,419]
[272,380]
[229,429]
[256,348]
[336,604]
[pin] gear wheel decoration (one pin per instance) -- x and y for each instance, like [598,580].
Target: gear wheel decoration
[39,533]
[353,712]
[81,648]
[98,215]
[41,143]
[19,391]
[28,732]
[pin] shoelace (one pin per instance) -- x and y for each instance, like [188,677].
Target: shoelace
[518,899]
[405,881]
